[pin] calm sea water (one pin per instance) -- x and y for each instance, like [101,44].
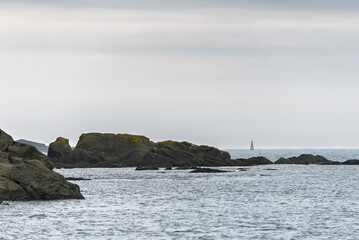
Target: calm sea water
[128,204]
[340,155]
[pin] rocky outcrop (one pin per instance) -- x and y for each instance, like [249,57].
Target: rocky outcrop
[100,150]
[306,159]
[124,150]
[253,161]
[26,174]
[183,154]
[60,151]
[351,162]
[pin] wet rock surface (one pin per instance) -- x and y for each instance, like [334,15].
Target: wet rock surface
[208,170]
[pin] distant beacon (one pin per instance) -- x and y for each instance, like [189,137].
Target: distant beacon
[252,146]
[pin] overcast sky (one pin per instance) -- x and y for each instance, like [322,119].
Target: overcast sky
[215,72]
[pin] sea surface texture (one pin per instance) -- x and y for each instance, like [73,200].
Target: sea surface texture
[340,155]
[175,204]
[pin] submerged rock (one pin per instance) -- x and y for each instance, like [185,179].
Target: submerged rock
[26,174]
[207,170]
[242,169]
[146,168]
[3,203]
[186,168]
[77,179]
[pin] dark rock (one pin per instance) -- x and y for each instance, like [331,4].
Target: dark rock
[146,168]
[207,170]
[351,162]
[3,203]
[270,169]
[185,168]
[184,154]
[103,150]
[60,151]
[253,161]
[242,169]
[168,168]
[305,159]
[77,179]
[26,174]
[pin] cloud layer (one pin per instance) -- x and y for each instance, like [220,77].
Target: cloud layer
[212,72]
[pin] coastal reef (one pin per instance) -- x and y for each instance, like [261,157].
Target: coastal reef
[26,174]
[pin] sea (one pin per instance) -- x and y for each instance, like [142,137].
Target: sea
[243,203]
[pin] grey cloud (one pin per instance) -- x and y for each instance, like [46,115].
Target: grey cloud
[316,5]
[209,72]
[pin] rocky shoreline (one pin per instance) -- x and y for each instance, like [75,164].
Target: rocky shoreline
[26,174]
[125,150]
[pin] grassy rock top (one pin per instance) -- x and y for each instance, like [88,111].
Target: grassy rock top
[61,140]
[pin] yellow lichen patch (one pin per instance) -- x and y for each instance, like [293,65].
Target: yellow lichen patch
[168,142]
[62,140]
[91,141]
[132,138]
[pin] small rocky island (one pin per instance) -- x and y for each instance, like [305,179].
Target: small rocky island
[26,174]
[125,150]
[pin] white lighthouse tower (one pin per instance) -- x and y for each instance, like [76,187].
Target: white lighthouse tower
[252,146]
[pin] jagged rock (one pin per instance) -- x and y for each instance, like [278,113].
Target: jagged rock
[253,161]
[26,174]
[306,159]
[351,162]
[207,170]
[184,154]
